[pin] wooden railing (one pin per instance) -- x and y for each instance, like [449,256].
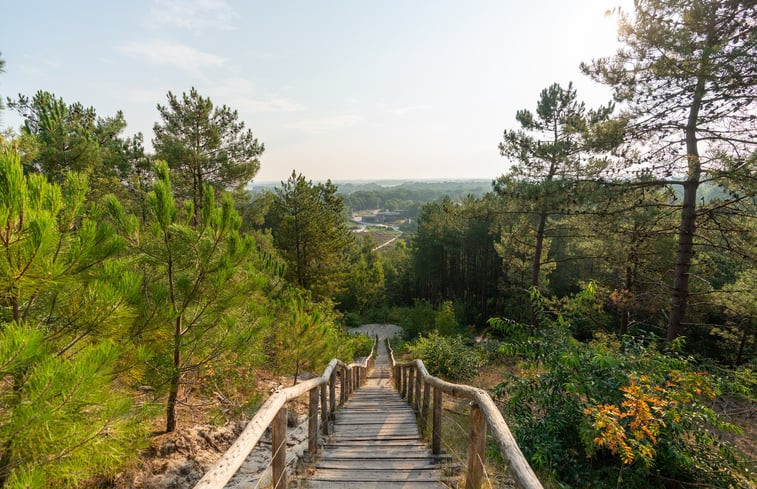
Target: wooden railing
[273,413]
[414,384]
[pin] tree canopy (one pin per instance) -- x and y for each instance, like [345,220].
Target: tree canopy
[205,145]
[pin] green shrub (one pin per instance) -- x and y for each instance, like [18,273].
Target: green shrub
[614,412]
[447,357]
[445,322]
[352,319]
[360,344]
[419,320]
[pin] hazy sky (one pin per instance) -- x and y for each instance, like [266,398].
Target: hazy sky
[335,89]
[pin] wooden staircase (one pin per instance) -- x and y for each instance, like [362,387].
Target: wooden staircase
[375,443]
[371,432]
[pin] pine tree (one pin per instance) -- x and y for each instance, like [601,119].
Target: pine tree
[70,137]
[308,227]
[303,339]
[686,74]
[203,284]
[365,280]
[65,414]
[205,146]
[552,152]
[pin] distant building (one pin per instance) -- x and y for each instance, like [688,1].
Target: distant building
[383,217]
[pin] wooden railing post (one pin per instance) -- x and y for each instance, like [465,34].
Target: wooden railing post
[418,391]
[358,377]
[324,411]
[410,384]
[343,387]
[313,422]
[424,408]
[398,378]
[404,382]
[436,433]
[278,449]
[476,448]
[332,395]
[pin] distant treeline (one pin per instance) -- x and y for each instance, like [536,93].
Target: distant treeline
[408,196]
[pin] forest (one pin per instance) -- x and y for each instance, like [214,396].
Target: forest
[606,279]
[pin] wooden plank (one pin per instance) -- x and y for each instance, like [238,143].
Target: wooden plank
[371,475]
[385,464]
[380,422]
[363,453]
[377,439]
[365,413]
[380,432]
[376,417]
[389,444]
[314,484]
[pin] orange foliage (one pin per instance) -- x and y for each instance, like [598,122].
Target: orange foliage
[632,429]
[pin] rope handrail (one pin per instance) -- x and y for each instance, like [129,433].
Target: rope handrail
[270,412]
[508,446]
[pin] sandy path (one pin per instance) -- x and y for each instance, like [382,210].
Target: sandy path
[383,330]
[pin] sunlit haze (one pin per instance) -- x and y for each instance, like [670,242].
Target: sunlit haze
[335,89]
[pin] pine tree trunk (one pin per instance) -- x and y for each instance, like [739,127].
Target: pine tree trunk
[625,311]
[742,343]
[536,264]
[685,251]
[173,392]
[683,262]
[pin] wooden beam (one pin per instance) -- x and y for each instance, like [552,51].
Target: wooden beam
[424,408]
[418,381]
[476,448]
[410,385]
[278,449]
[342,387]
[324,411]
[313,422]
[436,433]
[332,396]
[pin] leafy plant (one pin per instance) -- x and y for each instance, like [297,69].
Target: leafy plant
[447,357]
